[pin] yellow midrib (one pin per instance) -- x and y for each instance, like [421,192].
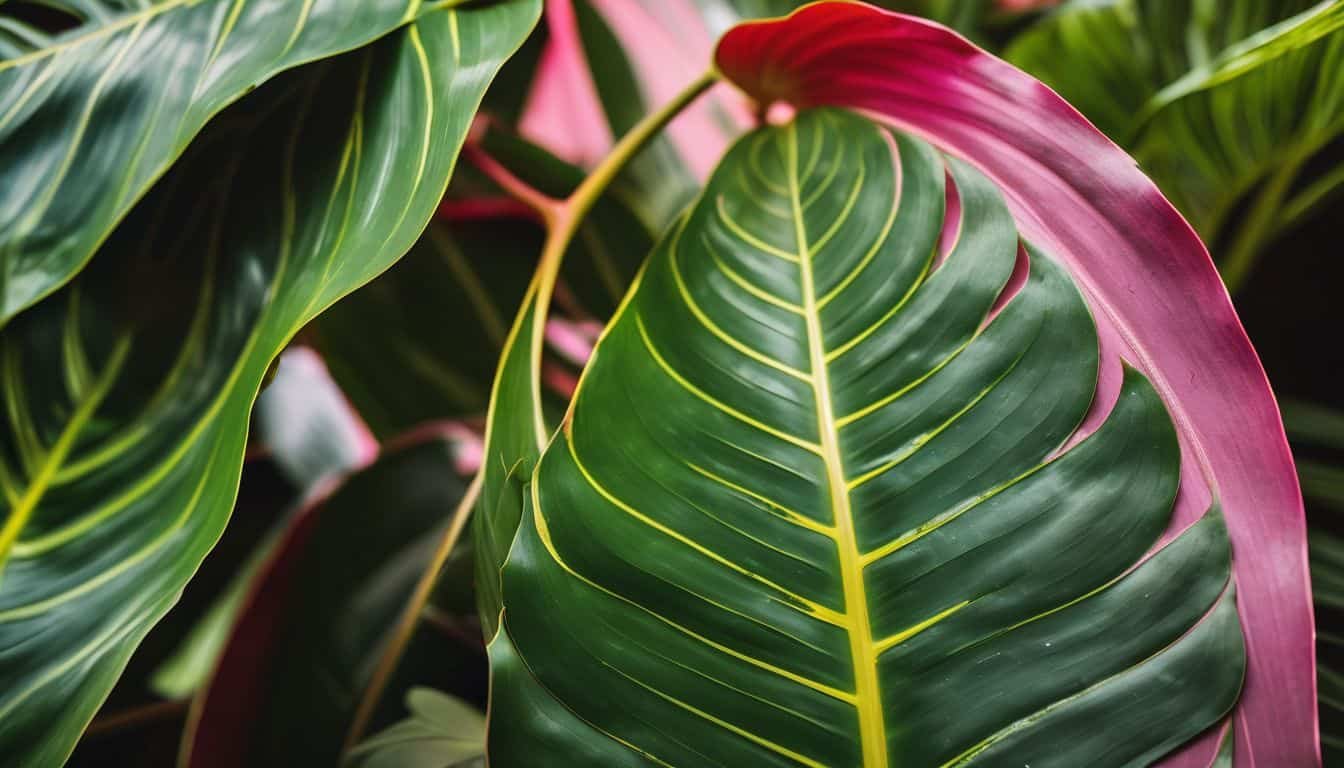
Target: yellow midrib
[863,651]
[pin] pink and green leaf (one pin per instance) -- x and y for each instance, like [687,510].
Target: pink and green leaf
[1157,300]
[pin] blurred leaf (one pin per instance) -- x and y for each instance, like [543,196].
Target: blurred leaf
[317,620]
[306,424]
[1323,483]
[1313,424]
[656,182]
[1214,100]
[442,732]
[1110,57]
[420,343]
[311,433]
[188,668]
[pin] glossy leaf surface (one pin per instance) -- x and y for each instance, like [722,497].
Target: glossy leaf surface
[127,396]
[859,526]
[316,620]
[91,118]
[1158,303]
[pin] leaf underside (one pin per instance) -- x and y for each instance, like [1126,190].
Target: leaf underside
[126,396]
[820,500]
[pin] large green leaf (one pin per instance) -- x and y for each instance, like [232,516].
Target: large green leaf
[821,498]
[127,396]
[1213,100]
[90,118]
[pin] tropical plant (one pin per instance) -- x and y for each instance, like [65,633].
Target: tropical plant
[832,394]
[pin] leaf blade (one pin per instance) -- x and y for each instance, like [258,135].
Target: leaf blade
[752,577]
[151,480]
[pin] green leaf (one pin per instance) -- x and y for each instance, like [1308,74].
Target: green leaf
[818,503]
[127,396]
[442,732]
[90,118]
[301,655]
[1110,57]
[599,264]
[515,434]
[1212,99]
[1327,586]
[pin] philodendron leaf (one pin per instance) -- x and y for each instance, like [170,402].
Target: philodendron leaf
[315,621]
[89,119]
[127,396]
[861,525]
[1158,303]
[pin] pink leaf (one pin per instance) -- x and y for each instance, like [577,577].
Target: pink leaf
[1158,302]
[564,114]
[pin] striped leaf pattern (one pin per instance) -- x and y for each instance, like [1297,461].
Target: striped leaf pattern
[89,119]
[126,396]
[822,498]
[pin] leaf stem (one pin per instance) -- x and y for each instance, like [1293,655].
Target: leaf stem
[136,717]
[564,224]
[410,616]
[542,204]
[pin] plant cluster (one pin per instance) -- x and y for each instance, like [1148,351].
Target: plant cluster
[433,383]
